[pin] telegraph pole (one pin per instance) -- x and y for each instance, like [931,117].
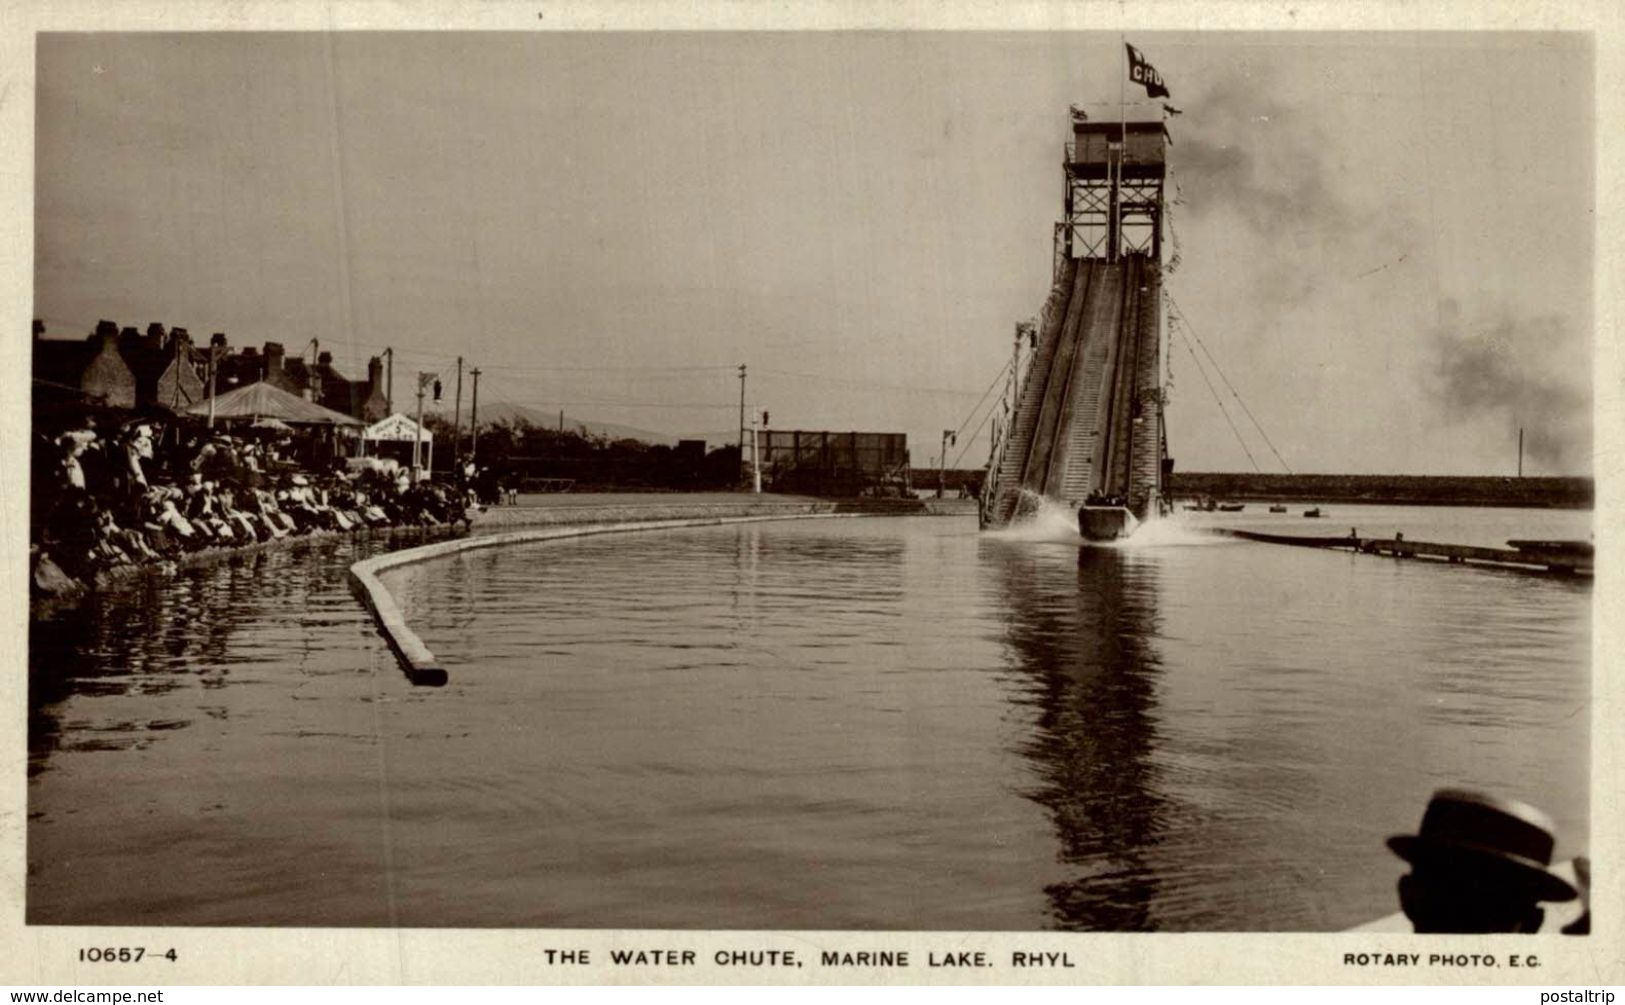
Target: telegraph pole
[417,435]
[212,356]
[949,437]
[474,418]
[389,382]
[741,422]
[457,420]
[175,405]
[755,458]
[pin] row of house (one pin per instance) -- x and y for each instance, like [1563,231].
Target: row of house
[163,369]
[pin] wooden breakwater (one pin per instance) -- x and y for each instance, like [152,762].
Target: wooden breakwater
[1567,558]
[1405,490]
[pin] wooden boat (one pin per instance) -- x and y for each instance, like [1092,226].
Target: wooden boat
[1312,513]
[1277,508]
[1232,507]
[1105,523]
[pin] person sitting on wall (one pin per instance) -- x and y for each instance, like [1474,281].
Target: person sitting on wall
[1479,864]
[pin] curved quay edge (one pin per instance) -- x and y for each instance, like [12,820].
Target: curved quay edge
[421,666]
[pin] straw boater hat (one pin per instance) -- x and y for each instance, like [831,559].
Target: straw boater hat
[1501,834]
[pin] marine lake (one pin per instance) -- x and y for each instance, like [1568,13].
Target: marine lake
[875,723]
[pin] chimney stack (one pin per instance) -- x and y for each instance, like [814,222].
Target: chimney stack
[375,374]
[273,357]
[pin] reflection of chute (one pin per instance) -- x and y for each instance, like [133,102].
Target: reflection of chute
[1082,639]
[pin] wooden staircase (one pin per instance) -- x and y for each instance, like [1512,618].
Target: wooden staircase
[1013,459]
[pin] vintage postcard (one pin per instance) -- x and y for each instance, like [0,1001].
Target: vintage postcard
[813,494]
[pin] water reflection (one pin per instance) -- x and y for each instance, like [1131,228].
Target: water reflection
[1083,640]
[160,635]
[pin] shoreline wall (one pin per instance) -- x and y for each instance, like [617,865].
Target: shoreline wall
[1407,490]
[494,520]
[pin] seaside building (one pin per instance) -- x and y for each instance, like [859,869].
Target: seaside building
[163,369]
[88,370]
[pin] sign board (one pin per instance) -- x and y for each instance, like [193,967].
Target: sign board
[397,427]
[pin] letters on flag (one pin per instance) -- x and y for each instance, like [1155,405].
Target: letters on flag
[1145,74]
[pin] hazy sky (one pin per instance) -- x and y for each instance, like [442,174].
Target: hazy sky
[1385,240]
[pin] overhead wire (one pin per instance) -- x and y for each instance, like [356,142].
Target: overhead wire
[958,434]
[858,382]
[518,399]
[1215,392]
[1186,325]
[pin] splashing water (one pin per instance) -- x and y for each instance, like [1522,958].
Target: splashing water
[1042,519]
[1169,531]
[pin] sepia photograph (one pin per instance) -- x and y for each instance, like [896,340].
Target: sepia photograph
[875,483]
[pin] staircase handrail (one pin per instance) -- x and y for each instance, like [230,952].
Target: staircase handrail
[1014,388]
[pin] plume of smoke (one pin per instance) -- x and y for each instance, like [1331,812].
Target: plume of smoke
[1261,158]
[1247,153]
[1529,372]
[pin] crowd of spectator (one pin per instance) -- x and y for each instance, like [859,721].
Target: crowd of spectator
[140,493]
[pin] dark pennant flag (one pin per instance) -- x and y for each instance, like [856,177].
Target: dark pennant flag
[1144,73]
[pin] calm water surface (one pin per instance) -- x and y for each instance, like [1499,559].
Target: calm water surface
[875,723]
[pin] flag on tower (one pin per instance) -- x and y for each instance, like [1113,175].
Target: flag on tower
[1144,73]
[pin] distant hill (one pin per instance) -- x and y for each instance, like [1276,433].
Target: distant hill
[504,412]
[715,440]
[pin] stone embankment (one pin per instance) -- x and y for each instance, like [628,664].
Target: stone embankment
[1399,490]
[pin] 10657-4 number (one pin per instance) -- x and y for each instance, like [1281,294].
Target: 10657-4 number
[121,954]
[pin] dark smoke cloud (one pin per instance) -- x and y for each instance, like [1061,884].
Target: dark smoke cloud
[1528,372]
[1246,153]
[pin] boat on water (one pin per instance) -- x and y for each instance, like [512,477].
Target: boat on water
[1208,504]
[1106,518]
[1312,513]
[1106,523]
[1277,508]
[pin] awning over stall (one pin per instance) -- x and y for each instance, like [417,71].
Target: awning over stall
[263,401]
